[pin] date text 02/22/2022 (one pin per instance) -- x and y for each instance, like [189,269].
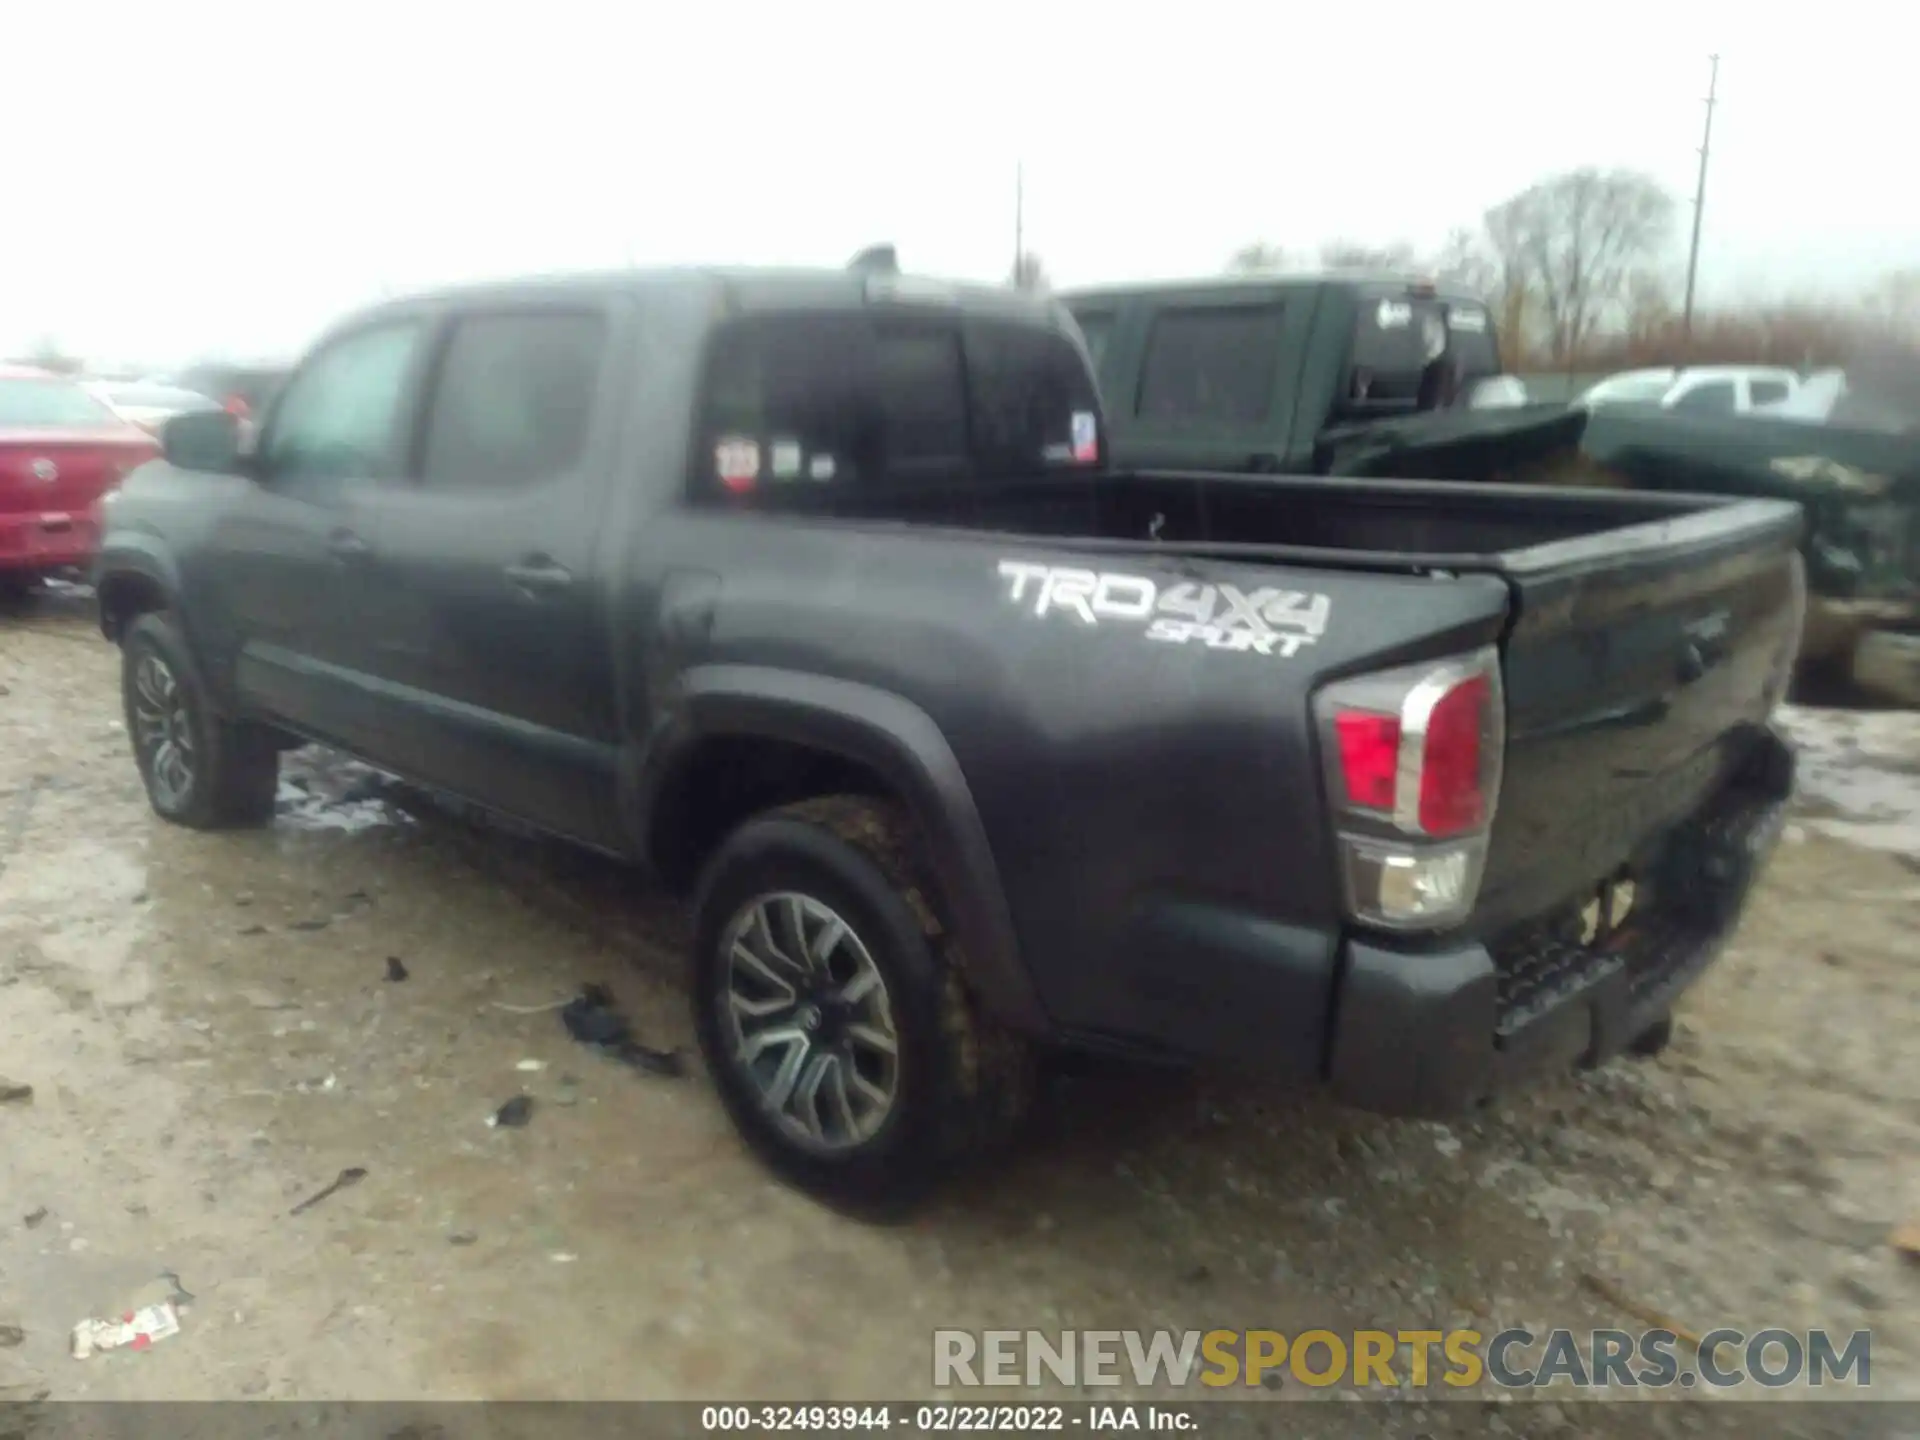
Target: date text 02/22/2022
[1090,1419]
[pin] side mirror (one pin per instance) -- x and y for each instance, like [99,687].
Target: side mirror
[202,440]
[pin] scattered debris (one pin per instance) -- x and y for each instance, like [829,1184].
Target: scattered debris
[592,1018]
[253,930]
[136,1330]
[1618,1297]
[1906,1239]
[309,1087]
[529,1009]
[349,1177]
[514,1114]
[267,1000]
[319,923]
[180,1297]
[396,972]
[14,1092]
[33,1217]
[531,1067]
[12,1337]
[462,1237]
[563,1257]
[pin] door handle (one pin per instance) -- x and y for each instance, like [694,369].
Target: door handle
[537,575]
[346,546]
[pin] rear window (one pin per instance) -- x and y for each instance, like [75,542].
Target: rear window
[831,411]
[1213,365]
[27,404]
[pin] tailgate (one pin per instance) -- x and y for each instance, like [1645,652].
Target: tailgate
[1638,671]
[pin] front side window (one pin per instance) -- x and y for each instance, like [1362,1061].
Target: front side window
[341,415]
[512,401]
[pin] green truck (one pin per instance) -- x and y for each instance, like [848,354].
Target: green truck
[1379,375]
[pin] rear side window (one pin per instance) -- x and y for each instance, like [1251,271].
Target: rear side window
[1034,407]
[835,411]
[1212,365]
[513,400]
[1715,397]
[1766,392]
[923,403]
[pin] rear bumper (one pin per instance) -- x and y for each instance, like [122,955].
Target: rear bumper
[1436,1033]
[39,540]
[1432,1031]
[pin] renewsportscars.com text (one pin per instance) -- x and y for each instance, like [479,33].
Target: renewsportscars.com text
[1510,1359]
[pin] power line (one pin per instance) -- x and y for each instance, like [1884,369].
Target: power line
[1700,195]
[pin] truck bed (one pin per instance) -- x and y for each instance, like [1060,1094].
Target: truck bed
[1647,635]
[1397,525]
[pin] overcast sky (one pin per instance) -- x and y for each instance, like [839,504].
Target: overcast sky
[190,177]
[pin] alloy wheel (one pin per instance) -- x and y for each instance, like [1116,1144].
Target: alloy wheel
[809,1021]
[163,731]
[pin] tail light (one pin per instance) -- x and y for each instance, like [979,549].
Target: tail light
[1413,773]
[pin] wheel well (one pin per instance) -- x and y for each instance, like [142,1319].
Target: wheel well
[729,778]
[126,596]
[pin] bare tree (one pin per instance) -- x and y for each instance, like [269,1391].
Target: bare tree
[1259,258]
[1895,302]
[1029,274]
[1352,255]
[1575,241]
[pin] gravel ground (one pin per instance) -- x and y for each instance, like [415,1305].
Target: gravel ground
[211,1036]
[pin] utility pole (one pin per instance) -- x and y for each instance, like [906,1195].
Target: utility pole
[1700,197]
[1019,220]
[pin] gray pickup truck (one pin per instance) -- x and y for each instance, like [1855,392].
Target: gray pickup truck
[816,595]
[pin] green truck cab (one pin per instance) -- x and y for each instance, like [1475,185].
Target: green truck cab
[1380,376]
[1248,373]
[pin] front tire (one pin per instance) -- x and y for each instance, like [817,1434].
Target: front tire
[831,1008]
[200,770]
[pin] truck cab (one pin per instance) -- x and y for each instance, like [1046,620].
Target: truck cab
[1245,373]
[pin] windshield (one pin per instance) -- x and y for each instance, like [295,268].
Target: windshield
[53,404]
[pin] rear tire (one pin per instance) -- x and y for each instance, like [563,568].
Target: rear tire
[862,1105]
[200,770]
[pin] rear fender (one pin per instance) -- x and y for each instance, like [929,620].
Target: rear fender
[897,741]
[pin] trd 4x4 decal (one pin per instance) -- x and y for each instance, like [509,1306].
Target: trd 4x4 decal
[1266,621]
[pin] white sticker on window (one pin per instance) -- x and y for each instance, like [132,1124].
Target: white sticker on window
[821,468]
[738,462]
[1086,437]
[786,459]
[1391,316]
[1473,322]
[1057,454]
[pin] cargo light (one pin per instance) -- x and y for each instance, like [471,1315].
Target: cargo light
[1413,772]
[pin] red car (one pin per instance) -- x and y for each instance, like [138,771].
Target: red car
[61,451]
